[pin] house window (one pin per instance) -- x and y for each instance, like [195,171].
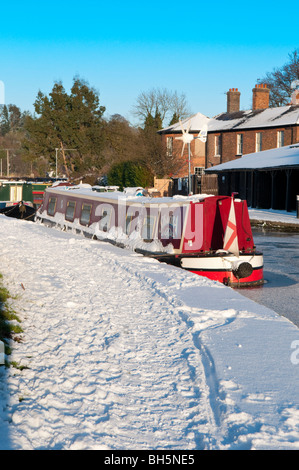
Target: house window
[218,145]
[198,170]
[169,146]
[239,144]
[258,142]
[280,138]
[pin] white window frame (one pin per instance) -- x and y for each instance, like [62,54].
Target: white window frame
[217,143]
[199,170]
[239,144]
[280,139]
[169,146]
[258,141]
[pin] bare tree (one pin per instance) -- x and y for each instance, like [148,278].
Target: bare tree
[280,80]
[163,102]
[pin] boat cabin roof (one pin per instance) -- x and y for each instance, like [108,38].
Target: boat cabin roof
[85,191]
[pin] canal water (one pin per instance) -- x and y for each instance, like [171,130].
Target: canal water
[281,272]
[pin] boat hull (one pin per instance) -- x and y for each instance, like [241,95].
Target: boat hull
[243,271]
[246,270]
[19,211]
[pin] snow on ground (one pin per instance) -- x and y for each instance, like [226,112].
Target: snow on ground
[125,353]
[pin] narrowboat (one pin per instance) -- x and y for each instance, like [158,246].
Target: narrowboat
[14,191]
[21,198]
[20,210]
[207,235]
[31,193]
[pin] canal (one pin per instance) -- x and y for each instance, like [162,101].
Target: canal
[281,272]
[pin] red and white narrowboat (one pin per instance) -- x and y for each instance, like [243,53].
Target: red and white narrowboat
[208,235]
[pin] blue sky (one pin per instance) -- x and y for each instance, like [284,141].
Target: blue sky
[124,48]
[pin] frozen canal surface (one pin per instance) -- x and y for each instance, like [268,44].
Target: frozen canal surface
[281,273]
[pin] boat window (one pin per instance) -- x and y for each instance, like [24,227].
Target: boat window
[129,219]
[148,227]
[131,223]
[171,223]
[70,210]
[85,214]
[52,205]
[105,218]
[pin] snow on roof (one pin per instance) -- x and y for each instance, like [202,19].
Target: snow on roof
[197,122]
[249,119]
[270,117]
[287,156]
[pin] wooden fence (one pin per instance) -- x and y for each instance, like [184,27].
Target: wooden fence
[209,184]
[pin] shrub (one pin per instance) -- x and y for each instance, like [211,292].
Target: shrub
[130,174]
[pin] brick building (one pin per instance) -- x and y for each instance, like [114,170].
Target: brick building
[232,134]
[267,179]
[259,151]
[236,132]
[174,146]
[178,154]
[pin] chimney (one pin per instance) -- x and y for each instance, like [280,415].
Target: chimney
[233,100]
[260,97]
[295,97]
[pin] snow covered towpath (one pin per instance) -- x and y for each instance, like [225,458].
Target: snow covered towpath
[122,352]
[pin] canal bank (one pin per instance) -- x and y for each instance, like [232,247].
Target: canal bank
[120,352]
[275,220]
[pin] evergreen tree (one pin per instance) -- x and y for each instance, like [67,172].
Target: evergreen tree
[4,120]
[130,174]
[175,118]
[149,122]
[153,151]
[71,123]
[15,117]
[158,120]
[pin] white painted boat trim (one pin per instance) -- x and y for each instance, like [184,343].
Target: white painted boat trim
[218,263]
